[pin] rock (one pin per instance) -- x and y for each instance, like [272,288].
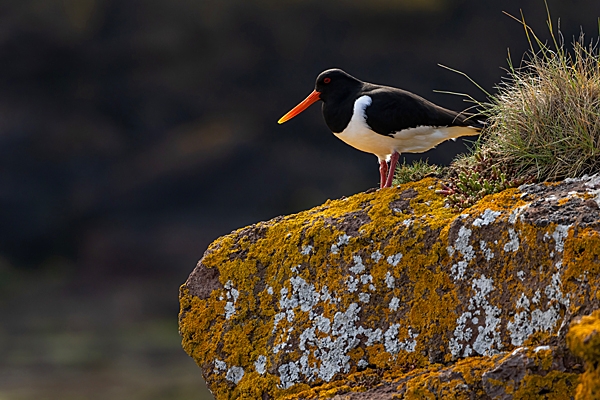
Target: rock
[393,295]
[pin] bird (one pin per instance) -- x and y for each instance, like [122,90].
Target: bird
[383,120]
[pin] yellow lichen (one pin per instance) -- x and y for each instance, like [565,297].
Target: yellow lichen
[584,341]
[555,385]
[465,382]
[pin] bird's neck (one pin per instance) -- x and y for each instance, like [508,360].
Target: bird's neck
[338,114]
[338,108]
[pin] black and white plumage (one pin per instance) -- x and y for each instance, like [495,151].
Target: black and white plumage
[383,120]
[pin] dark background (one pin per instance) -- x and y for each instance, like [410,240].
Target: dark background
[135,132]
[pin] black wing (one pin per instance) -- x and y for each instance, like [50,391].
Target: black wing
[393,110]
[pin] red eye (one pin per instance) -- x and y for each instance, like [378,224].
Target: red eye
[326,80]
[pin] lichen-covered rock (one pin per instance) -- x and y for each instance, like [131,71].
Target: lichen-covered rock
[584,341]
[390,293]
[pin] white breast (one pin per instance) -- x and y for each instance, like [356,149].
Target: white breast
[360,136]
[413,140]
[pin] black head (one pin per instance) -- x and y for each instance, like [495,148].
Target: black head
[335,84]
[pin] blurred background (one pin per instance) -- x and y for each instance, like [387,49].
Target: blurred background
[135,132]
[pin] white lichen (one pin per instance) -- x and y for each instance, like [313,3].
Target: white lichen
[342,240]
[278,317]
[393,345]
[232,295]
[325,295]
[260,365]
[488,340]
[523,301]
[450,250]
[461,334]
[219,366]
[486,218]
[390,335]
[390,280]
[328,340]
[290,314]
[512,218]
[513,241]
[323,323]
[560,234]
[527,322]
[593,185]
[592,180]
[394,304]
[373,335]
[358,265]
[376,256]
[352,284]
[462,246]
[288,375]
[487,252]
[306,249]
[394,259]
[229,309]
[235,374]
[305,293]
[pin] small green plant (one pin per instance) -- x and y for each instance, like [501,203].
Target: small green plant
[543,124]
[470,178]
[414,172]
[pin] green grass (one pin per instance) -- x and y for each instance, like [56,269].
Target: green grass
[414,172]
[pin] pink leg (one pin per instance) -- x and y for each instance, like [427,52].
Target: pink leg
[383,169]
[392,169]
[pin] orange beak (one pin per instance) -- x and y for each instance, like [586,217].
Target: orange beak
[312,98]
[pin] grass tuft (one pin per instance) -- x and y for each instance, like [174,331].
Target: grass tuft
[545,120]
[414,172]
[543,123]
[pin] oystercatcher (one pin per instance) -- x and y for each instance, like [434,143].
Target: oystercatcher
[383,120]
